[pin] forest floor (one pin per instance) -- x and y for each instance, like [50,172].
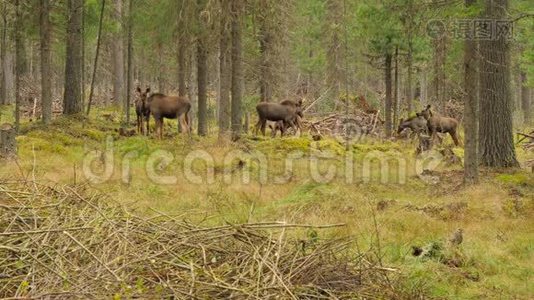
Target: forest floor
[495,260]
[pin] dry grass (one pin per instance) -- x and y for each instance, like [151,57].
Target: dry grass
[65,242]
[497,216]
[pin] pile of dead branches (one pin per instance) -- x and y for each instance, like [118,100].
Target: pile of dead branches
[527,139]
[340,124]
[32,108]
[65,242]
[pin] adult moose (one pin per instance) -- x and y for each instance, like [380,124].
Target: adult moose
[416,124]
[441,124]
[286,112]
[161,107]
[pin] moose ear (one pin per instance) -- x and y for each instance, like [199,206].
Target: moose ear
[138,90]
[148,90]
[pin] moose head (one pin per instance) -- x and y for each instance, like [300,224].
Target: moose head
[143,95]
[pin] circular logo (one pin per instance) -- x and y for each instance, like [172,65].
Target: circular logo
[435,29]
[348,130]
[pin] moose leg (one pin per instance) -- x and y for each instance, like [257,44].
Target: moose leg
[160,127]
[257,127]
[147,118]
[273,130]
[454,137]
[263,124]
[188,121]
[283,126]
[298,126]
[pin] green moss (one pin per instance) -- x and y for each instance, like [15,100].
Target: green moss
[285,144]
[518,178]
[26,143]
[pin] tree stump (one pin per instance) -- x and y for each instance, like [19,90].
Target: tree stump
[8,144]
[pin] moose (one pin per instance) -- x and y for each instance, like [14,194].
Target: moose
[285,114]
[283,127]
[441,124]
[141,110]
[417,124]
[161,107]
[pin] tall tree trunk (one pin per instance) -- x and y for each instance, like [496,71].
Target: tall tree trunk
[3,49]
[161,81]
[525,99]
[496,135]
[438,83]
[97,52]
[396,88]
[409,81]
[265,59]
[225,70]
[72,98]
[118,55]
[388,94]
[470,108]
[202,73]
[334,72]
[182,72]
[237,68]
[82,80]
[19,62]
[129,60]
[46,74]
[192,84]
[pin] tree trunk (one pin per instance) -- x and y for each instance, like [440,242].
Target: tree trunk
[3,49]
[72,98]
[161,81]
[129,58]
[82,80]
[525,99]
[97,52]
[8,143]
[46,74]
[19,67]
[225,70]
[396,88]
[265,65]
[182,75]
[118,57]
[409,85]
[388,94]
[470,109]
[438,82]
[202,73]
[334,72]
[496,135]
[237,72]
[192,84]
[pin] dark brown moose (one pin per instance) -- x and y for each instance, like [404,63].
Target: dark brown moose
[141,110]
[417,124]
[286,112]
[169,107]
[441,124]
[282,127]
